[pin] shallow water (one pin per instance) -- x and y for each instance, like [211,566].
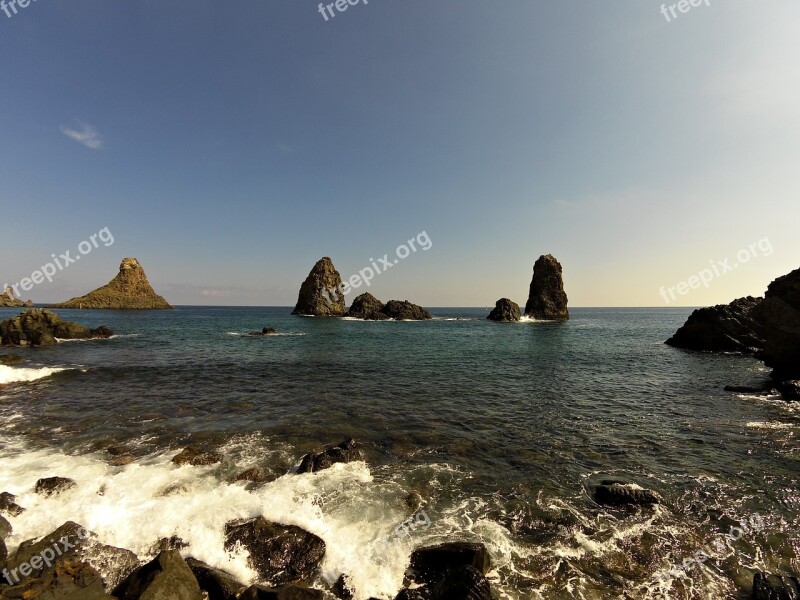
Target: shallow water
[500,428]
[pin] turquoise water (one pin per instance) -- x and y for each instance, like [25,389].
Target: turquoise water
[500,428]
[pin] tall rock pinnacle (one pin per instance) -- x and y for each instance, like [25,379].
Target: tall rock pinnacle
[547,300]
[321,293]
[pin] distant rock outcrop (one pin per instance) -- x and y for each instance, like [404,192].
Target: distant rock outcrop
[41,327]
[547,300]
[321,293]
[367,307]
[129,290]
[505,311]
[734,327]
[780,315]
[403,310]
[8,299]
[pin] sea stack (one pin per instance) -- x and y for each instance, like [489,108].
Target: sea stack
[547,300]
[505,311]
[8,299]
[129,290]
[321,293]
[780,316]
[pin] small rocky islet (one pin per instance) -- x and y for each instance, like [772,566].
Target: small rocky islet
[547,300]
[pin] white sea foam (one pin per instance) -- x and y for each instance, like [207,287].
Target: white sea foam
[24,374]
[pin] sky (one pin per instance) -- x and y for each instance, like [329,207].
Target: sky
[229,146]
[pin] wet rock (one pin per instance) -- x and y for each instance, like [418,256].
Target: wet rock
[345,452]
[3,554]
[117,450]
[254,474]
[546,299]
[10,359]
[167,543]
[321,294]
[790,390]
[421,593]
[773,587]
[218,584]
[129,290]
[9,506]
[196,457]
[343,588]
[762,390]
[780,314]
[278,553]
[263,332]
[5,528]
[367,307]
[619,493]
[505,311]
[122,460]
[41,327]
[65,579]
[52,486]
[403,310]
[430,564]
[284,592]
[462,583]
[166,577]
[734,327]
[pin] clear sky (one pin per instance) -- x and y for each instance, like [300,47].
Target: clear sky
[230,145]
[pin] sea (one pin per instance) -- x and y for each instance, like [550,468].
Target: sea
[472,431]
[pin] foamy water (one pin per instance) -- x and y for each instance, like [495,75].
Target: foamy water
[23,374]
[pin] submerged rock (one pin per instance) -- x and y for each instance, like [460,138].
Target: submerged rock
[734,327]
[196,457]
[129,290]
[264,331]
[620,493]
[41,327]
[547,300]
[9,506]
[345,452]
[254,475]
[10,359]
[51,486]
[218,584]
[774,587]
[166,577]
[430,564]
[780,315]
[403,310]
[367,307]
[321,293]
[505,311]
[278,553]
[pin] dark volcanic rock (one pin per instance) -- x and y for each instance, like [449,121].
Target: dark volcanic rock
[166,577]
[219,585]
[265,331]
[405,311]
[9,506]
[41,327]
[65,579]
[367,307]
[10,359]
[8,299]
[278,553]
[764,390]
[254,474]
[773,587]
[462,583]
[619,493]
[780,315]
[50,486]
[420,593]
[505,311]
[5,528]
[129,290]
[547,300]
[167,543]
[284,592]
[790,390]
[345,452]
[430,564]
[343,588]
[733,327]
[196,457]
[321,293]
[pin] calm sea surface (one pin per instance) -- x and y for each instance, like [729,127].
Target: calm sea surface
[500,428]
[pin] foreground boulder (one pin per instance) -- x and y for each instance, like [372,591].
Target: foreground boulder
[773,587]
[780,315]
[367,307]
[619,493]
[403,310]
[9,506]
[219,585]
[51,486]
[734,327]
[431,564]
[66,579]
[8,299]
[41,327]
[505,311]
[790,390]
[278,553]
[547,300]
[462,583]
[191,455]
[321,293]
[345,452]
[166,577]
[284,592]
[129,290]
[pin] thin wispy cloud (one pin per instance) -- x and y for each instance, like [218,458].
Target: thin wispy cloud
[84,134]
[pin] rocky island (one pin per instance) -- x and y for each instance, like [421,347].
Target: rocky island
[321,293]
[8,299]
[129,290]
[41,327]
[368,307]
[547,300]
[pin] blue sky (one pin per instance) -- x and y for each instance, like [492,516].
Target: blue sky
[228,146]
